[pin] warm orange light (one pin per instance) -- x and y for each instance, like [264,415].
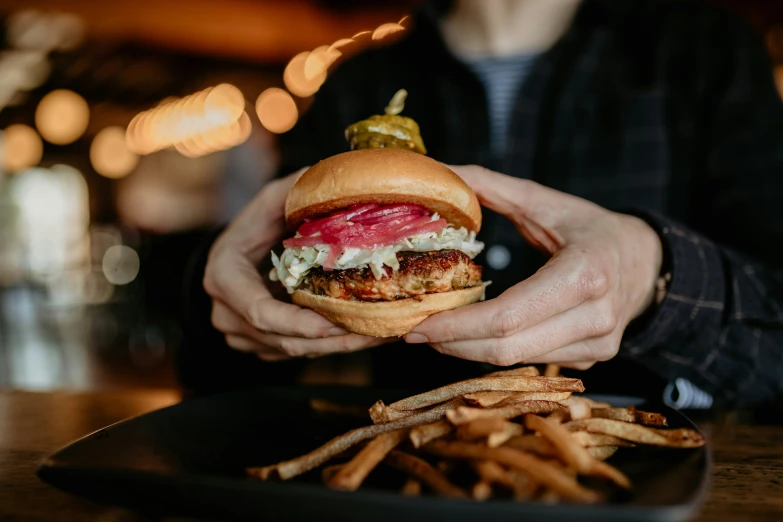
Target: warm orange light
[385,30]
[277,110]
[62,117]
[342,42]
[186,123]
[224,104]
[109,154]
[362,33]
[319,61]
[244,131]
[21,148]
[778,73]
[296,80]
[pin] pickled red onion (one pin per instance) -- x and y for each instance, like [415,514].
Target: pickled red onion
[365,226]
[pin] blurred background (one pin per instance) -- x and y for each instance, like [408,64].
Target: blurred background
[129,128]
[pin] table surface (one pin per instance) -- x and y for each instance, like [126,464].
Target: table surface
[747,482]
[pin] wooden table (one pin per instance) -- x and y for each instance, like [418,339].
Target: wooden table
[747,483]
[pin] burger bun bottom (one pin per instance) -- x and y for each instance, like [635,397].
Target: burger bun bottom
[386,318]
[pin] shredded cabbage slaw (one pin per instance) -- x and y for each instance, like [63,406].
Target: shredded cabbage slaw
[292,267]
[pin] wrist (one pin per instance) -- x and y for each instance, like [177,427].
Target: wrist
[649,258]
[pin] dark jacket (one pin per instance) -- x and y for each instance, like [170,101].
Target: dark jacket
[664,110]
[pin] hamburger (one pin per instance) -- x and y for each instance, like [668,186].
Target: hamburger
[384,236]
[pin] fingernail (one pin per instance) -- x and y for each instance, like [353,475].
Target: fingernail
[416,338]
[334,332]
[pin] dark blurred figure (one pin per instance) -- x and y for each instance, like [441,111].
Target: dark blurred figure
[662,110]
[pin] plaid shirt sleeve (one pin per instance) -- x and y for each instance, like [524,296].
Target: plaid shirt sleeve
[721,324]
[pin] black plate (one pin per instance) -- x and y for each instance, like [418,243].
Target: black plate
[189,460]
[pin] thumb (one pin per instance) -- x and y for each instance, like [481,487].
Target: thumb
[539,213]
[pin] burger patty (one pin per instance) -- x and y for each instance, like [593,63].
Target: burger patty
[419,273]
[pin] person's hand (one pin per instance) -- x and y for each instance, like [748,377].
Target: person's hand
[574,310]
[243,308]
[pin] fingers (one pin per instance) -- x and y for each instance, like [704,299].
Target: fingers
[543,215]
[575,329]
[568,280]
[271,347]
[294,322]
[238,285]
[298,347]
[241,336]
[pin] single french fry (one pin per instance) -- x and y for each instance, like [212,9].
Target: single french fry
[464,414]
[424,473]
[493,473]
[533,396]
[481,490]
[411,488]
[560,416]
[324,406]
[532,444]
[486,399]
[330,471]
[351,476]
[630,414]
[602,452]
[380,413]
[291,468]
[590,440]
[567,448]
[572,453]
[522,371]
[421,435]
[540,470]
[499,438]
[552,370]
[590,402]
[579,411]
[513,383]
[520,483]
[480,428]
[678,438]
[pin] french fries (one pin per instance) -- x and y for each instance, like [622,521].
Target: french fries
[351,476]
[629,414]
[679,438]
[421,435]
[510,383]
[511,434]
[421,470]
[463,414]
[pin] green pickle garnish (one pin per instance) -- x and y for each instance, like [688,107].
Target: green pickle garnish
[389,130]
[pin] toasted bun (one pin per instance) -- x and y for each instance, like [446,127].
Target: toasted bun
[386,318]
[384,176]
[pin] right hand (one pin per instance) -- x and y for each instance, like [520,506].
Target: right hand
[243,308]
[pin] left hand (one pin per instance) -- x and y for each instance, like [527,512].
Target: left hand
[574,310]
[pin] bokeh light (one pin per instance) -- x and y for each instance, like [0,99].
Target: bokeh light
[224,104]
[192,124]
[121,265]
[778,74]
[319,61]
[62,117]
[110,155]
[342,42]
[21,148]
[385,30]
[297,82]
[277,110]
